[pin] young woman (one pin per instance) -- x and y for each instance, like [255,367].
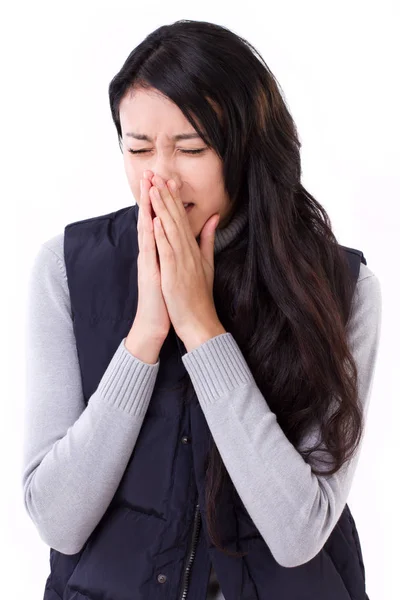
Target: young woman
[200,364]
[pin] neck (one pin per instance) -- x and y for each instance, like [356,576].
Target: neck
[224,235]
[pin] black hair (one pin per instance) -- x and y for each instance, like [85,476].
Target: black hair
[283,288]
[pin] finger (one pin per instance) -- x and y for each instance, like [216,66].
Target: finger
[169,225]
[143,209]
[178,229]
[172,203]
[165,251]
[175,195]
[173,230]
[174,192]
[149,243]
[140,220]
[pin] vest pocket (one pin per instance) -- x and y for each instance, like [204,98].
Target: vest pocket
[117,556]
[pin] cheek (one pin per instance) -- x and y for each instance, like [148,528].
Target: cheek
[210,180]
[130,169]
[212,193]
[133,175]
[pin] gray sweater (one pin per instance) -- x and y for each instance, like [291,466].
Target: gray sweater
[74,455]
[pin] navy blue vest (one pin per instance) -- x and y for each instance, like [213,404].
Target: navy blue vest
[151,543]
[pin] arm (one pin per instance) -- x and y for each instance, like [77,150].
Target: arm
[294,510]
[74,456]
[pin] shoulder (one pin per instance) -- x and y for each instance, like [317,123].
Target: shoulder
[55,246]
[48,285]
[49,258]
[368,289]
[365,273]
[364,324]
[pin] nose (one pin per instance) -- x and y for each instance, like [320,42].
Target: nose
[150,174]
[161,164]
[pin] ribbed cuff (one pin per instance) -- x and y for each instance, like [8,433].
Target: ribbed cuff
[217,367]
[128,382]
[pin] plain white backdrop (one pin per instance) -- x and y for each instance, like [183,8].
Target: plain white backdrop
[338,66]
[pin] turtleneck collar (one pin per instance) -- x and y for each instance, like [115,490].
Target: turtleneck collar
[225,235]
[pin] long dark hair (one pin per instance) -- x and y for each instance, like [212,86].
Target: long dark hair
[283,289]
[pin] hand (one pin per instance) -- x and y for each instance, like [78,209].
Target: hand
[151,315]
[187,268]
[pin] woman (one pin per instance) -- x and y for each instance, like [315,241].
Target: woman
[197,388]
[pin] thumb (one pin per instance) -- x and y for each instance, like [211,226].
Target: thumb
[207,238]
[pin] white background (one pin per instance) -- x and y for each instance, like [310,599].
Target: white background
[60,162]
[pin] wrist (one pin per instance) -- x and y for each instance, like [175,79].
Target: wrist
[142,346]
[202,334]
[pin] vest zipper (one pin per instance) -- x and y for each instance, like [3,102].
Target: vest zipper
[196,523]
[191,553]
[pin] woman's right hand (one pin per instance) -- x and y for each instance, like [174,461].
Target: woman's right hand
[152,317]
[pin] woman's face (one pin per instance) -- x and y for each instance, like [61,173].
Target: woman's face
[198,176]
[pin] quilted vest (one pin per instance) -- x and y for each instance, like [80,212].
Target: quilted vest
[152,543]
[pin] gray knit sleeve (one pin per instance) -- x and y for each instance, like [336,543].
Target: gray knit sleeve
[294,510]
[74,455]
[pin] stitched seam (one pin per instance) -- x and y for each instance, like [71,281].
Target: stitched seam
[50,587]
[338,572]
[353,532]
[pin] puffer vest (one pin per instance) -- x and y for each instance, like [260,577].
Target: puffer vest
[152,543]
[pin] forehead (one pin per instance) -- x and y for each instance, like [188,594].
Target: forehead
[149,112]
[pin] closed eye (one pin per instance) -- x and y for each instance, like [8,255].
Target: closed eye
[197,151]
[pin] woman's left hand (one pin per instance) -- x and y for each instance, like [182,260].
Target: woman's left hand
[186,267]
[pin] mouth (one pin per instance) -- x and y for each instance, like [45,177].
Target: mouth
[188,208]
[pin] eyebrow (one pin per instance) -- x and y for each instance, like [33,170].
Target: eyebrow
[175,138]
